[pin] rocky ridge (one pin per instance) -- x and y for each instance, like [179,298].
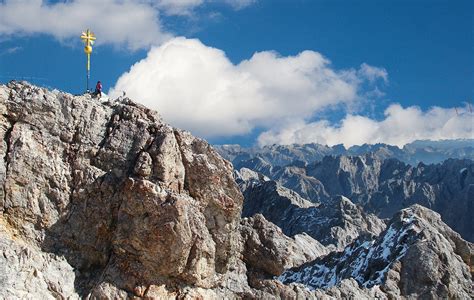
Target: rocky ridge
[383,187]
[334,224]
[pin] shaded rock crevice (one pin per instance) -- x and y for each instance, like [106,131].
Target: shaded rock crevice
[109,128]
[183,159]
[6,159]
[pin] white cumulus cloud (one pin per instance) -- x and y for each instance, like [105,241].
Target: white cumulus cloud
[125,22]
[135,24]
[399,127]
[198,88]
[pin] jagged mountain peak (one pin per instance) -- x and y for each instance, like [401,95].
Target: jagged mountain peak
[382,186]
[416,248]
[334,223]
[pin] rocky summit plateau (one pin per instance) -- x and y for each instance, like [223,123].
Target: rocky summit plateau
[103,200]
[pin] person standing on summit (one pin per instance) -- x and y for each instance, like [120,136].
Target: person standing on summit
[98,90]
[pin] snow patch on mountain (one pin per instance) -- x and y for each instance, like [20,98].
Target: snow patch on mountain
[366,261]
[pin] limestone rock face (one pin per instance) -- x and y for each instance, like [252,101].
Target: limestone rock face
[110,190]
[268,250]
[26,271]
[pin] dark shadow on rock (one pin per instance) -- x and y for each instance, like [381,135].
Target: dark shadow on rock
[84,235]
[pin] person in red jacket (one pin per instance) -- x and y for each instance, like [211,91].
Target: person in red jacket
[98,89]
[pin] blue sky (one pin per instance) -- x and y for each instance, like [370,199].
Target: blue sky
[425,48]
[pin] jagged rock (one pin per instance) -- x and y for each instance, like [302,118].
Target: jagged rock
[247,178]
[106,290]
[350,289]
[418,256]
[295,178]
[26,271]
[125,198]
[335,223]
[385,187]
[382,186]
[268,250]
[144,164]
[344,221]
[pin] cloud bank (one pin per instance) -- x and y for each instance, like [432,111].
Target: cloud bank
[198,88]
[135,24]
[399,127]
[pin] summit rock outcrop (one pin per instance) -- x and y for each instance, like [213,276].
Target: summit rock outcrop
[126,199]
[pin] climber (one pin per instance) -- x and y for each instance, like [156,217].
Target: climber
[98,90]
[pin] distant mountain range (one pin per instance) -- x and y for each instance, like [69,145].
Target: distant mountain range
[428,152]
[373,176]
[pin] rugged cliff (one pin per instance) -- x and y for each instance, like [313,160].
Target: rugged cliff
[122,196]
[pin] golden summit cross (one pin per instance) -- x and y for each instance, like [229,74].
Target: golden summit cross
[88,38]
